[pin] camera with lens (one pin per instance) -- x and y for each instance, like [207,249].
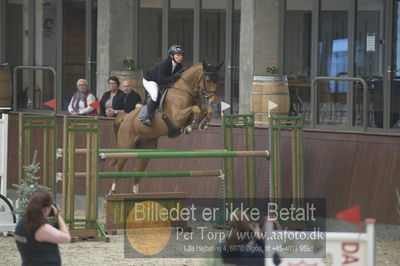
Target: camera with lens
[52,217]
[52,214]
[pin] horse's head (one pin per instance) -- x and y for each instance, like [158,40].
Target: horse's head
[208,85]
[202,79]
[207,90]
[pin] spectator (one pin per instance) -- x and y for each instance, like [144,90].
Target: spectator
[107,100]
[129,101]
[81,100]
[37,241]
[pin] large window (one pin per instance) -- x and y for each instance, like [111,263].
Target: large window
[235,56]
[394,121]
[212,36]
[17,46]
[73,48]
[31,39]
[368,61]
[333,51]
[346,41]
[297,51]
[46,50]
[150,33]
[181,27]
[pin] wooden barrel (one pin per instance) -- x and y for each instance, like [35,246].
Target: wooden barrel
[135,77]
[5,88]
[265,89]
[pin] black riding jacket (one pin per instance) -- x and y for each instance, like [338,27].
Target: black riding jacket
[162,73]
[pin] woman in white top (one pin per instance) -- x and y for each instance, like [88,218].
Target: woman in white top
[81,100]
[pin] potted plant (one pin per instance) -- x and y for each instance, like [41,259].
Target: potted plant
[128,64]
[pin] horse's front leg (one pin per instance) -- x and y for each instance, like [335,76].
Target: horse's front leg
[195,110]
[209,113]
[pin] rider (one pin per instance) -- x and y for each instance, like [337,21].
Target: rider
[160,76]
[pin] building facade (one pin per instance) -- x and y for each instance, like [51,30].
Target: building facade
[303,38]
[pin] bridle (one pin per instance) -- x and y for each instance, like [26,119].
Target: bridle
[202,93]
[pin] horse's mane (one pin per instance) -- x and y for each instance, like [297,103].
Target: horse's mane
[208,69]
[192,67]
[190,70]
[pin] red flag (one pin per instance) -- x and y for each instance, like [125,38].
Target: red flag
[95,105]
[351,215]
[51,103]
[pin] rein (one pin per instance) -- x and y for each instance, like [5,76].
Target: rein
[201,92]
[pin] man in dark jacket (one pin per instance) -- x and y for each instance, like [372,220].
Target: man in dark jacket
[130,100]
[160,76]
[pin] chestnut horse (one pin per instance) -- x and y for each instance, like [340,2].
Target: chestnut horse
[188,104]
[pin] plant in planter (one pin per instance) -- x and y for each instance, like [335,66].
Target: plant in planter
[128,63]
[272,70]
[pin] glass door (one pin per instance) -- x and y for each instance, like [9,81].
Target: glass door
[16,48]
[234,65]
[333,58]
[368,62]
[219,41]
[79,46]
[297,51]
[46,28]
[394,69]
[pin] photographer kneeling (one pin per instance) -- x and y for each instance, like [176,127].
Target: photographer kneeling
[36,239]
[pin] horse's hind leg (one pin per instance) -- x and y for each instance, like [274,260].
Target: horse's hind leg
[118,164]
[141,164]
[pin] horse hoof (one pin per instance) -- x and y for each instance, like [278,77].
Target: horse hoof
[204,126]
[188,130]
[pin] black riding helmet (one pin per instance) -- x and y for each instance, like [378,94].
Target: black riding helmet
[175,49]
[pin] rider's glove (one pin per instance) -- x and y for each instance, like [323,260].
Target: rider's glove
[176,75]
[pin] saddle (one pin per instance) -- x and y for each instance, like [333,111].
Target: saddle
[173,131]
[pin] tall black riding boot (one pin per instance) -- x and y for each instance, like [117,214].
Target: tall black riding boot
[151,107]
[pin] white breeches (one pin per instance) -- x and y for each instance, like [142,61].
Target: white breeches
[152,88]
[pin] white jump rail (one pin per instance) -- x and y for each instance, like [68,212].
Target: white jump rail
[3,153]
[353,249]
[7,218]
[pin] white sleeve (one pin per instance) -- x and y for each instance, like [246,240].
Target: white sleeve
[90,99]
[70,109]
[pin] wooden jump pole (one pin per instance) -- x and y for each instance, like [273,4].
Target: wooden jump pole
[163,174]
[184,154]
[155,174]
